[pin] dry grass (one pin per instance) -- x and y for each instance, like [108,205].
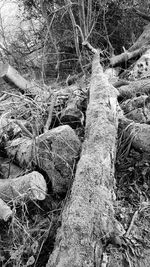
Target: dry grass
[23,238]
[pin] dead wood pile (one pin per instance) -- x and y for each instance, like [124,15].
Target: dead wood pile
[42,130]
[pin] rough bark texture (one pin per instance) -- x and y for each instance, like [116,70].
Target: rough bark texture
[137,134]
[141,68]
[143,40]
[31,185]
[135,88]
[137,109]
[88,217]
[54,151]
[126,56]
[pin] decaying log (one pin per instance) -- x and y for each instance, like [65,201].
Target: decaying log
[135,88]
[31,186]
[54,151]
[143,40]
[88,217]
[113,77]
[137,109]
[136,102]
[124,57]
[5,211]
[138,135]
[12,76]
[141,68]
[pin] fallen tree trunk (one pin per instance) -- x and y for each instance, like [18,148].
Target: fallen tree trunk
[141,68]
[135,88]
[12,76]
[136,134]
[88,217]
[31,186]
[143,40]
[124,57]
[138,48]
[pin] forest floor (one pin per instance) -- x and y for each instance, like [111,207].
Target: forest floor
[28,237]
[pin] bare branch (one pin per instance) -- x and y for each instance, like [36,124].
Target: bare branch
[90,47]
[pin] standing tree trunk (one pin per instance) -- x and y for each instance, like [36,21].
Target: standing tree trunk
[88,217]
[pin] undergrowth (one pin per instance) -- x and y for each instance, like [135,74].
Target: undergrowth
[25,235]
[133,202]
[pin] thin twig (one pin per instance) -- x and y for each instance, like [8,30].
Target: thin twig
[23,128]
[131,223]
[90,47]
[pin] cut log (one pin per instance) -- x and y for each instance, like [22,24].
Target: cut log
[88,217]
[5,211]
[138,135]
[55,151]
[31,186]
[135,88]
[12,76]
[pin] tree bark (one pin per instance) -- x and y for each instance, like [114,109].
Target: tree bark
[124,57]
[88,217]
[31,186]
[143,40]
[135,88]
[137,134]
[12,76]
[138,48]
[54,151]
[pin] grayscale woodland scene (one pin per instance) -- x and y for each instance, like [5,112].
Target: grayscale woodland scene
[74,133]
